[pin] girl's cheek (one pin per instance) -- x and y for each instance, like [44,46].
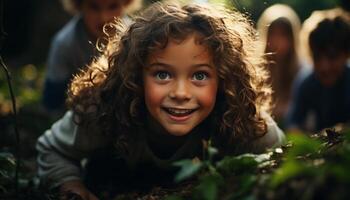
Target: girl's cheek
[153,94]
[208,97]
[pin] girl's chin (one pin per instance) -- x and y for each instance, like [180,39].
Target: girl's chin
[178,133]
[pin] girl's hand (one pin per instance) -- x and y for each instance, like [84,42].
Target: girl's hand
[75,190]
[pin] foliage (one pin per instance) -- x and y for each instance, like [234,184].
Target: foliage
[27,83]
[27,187]
[7,168]
[306,167]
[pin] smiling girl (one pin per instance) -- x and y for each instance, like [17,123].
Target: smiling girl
[175,77]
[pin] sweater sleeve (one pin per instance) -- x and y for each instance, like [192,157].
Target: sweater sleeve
[61,149]
[273,138]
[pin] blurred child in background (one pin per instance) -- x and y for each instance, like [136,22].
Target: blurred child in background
[73,46]
[322,97]
[279,28]
[310,24]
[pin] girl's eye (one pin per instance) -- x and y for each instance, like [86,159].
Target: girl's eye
[94,6]
[200,76]
[113,6]
[162,75]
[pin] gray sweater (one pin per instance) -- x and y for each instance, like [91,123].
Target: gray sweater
[63,147]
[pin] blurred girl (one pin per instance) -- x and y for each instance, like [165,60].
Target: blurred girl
[279,28]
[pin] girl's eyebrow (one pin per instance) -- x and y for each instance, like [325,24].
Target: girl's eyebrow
[203,65]
[167,65]
[159,64]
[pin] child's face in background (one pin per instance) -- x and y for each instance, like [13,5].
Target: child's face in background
[98,12]
[279,41]
[329,67]
[180,85]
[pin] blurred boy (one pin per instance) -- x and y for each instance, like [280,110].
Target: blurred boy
[74,45]
[324,95]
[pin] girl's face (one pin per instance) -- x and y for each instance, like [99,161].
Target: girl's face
[279,41]
[180,85]
[98,12]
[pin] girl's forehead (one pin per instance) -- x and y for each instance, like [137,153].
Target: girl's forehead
[193,45]
[103,3]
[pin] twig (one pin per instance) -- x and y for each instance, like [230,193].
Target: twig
[17,148]
[13,99]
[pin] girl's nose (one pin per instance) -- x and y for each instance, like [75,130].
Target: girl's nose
[104,17]
[107,16]
[181,91]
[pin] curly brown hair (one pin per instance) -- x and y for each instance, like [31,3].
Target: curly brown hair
[111,95]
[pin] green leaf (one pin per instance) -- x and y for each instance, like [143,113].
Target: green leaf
[188,169]
[246,183]
[208,187]
[288,170]
[172,197]
[303,145]
[339,171]
[347,134]
[211,152]
[242,163]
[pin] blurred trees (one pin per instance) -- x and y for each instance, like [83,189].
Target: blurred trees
[254,8]
[304,8]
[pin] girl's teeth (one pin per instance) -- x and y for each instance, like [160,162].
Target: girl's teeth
[179,112]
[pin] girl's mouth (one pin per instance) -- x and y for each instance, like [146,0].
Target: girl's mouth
[179,114]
